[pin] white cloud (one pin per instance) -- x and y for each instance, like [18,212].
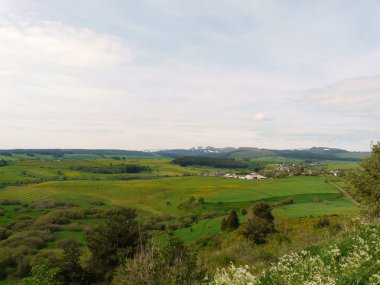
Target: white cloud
[260,117]
[351,97]
[213,69]
[41,43]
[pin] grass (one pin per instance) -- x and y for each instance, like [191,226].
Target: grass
[11,213]
[162,190]
[336,207]
[200,229]
[151,196]
[40,169]
[339,165]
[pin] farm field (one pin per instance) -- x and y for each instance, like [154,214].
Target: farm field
[25,171]
[71,197]
[311,196]
[161,196]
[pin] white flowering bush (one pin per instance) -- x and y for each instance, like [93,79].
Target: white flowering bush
[234,275]
[354,260]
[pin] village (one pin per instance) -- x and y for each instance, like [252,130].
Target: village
[279,171]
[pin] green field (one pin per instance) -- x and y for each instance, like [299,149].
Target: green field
[45,201]
[159,197]
[153,196]
[161,191]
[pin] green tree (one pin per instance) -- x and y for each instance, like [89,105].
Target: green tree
[170,264]
[111,243]
[233,220]
[223,225]
[71,270]
[43,274]
[364,183]
[260,224]
[231,223]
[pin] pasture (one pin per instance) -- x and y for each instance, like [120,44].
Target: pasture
[159,197]
[160,193]
[162,196]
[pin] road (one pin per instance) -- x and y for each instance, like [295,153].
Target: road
[344,192]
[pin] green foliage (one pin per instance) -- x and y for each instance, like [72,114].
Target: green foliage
[365,182]
[260,224]
[71,271]
[233,220]
[43,274]
[111,243]
[231,223]
[352,260]
[323,222]
[170,264]
[36,217]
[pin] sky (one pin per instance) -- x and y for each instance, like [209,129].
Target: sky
[156,74]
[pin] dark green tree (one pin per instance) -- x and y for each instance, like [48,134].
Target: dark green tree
[364,183]
[231,223]
[111,243]
[260,224]
[71,271]
[233,220]
[223,225]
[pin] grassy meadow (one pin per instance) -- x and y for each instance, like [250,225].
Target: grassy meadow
[45,201]
[161,191]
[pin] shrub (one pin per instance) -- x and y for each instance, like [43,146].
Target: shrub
[260,224]
[45,273]
[231,223]
[173,263]
[285,202]
[322,222]
[365,183]
[118,239]
[9,202]
[353,260]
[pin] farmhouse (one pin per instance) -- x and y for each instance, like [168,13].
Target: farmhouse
[228,175]
[254,176]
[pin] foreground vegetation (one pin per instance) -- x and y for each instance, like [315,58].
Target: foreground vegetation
[352,260]
[140,220]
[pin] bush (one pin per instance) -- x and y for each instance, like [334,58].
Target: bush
[118,239]
[365,183]
[45,273]
[98,203]
[9,202]
[285,202]
[260,224]
[353,260]
[322,222]
[173,263]
[231,223]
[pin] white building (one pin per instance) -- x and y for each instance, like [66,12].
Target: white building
[254,176]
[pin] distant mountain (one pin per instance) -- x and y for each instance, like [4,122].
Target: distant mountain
[66,152]
[322,153]
[241,153]
[250,152]
[314,153]
[197,151]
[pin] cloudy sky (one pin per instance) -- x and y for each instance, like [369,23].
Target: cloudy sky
[170,73]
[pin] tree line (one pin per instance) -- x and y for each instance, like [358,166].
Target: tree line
[209,161]
[114,168]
